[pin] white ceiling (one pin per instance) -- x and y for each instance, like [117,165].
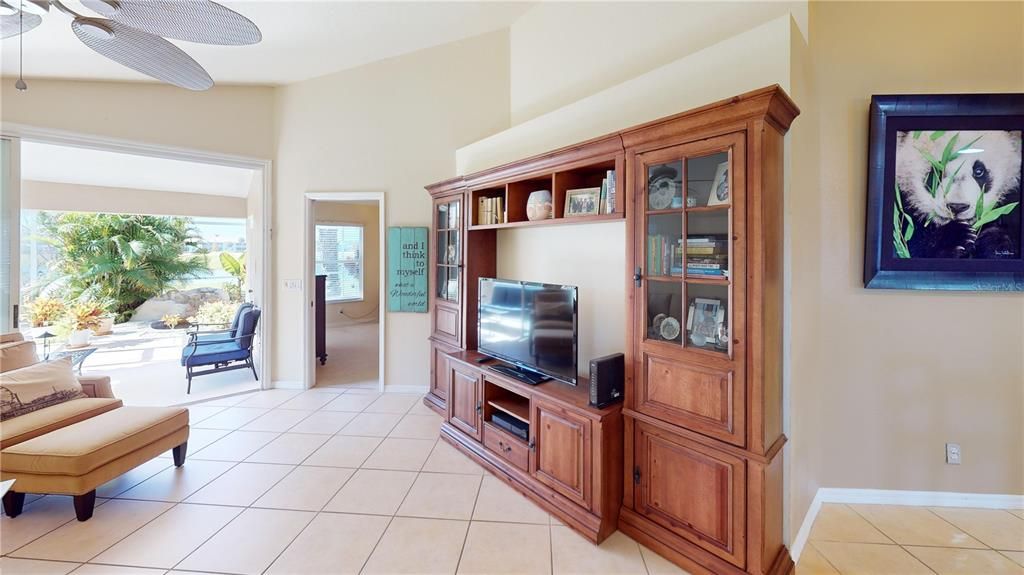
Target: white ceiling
[302,39]
[68,165]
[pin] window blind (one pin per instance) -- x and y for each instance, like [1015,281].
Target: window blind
[339,256]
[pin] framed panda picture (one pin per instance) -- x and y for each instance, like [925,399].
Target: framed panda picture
[944,193]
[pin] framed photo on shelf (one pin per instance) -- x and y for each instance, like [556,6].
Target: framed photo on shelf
[582,202]
[944,192]
[720,186]
[703,320]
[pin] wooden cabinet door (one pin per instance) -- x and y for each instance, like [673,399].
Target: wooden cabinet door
[692,490]
[690,286]
[561,451]
[465,405]
[447,266]
[439,373]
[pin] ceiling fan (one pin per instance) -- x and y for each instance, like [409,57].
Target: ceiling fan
[134,33]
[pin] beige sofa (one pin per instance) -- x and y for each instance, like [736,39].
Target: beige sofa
[76,445]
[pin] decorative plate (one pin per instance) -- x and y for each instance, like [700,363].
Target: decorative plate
[661,191]
[670,328]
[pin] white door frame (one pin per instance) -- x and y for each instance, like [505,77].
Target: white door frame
[308,323]
[12,217]
[109,144]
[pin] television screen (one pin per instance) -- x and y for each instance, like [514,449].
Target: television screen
[530,325]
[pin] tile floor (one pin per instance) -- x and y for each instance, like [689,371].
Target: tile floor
[889,539]
[325,481]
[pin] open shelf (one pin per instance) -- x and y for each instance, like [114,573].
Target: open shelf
[517,409]
[515,195]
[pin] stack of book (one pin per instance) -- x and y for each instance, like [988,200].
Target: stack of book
[608,193]
[491,211]
[707,256]
[664,255]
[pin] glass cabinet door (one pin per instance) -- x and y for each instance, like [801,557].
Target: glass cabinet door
[448,259]
[691,224]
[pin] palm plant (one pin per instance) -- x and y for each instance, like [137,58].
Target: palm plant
[125,259]
[235,267]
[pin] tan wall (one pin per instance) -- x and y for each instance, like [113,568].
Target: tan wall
[896,374]
[562,52]
[226,119]
[368,216]
[392,127]
[81,198]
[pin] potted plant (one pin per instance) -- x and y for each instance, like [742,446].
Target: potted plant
[84,317]
[45,311]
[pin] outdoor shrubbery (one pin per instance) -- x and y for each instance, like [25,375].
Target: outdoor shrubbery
[123,259]
[215,312]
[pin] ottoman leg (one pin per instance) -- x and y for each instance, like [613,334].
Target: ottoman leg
[179,454]
[13,502]
[84,505]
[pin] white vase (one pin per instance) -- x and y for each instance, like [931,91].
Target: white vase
[79,338]
[106,325]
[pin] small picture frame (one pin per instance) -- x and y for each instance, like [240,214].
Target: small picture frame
[719,193]
[582,202]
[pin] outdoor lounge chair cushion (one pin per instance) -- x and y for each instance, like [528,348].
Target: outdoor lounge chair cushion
[25,427]
[247,327]
[36,387]
[232,331]
[79,448]
[17,354]
[211,353]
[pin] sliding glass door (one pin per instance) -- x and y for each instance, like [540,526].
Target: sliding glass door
[10,210]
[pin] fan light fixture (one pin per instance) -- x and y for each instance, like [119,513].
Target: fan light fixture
[134,33]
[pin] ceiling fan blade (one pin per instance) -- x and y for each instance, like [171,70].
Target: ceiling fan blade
[142,52]
[11,25]
[199,21]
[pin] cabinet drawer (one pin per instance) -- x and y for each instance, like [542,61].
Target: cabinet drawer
[705,399]
[693,490]
[507,447]
[446,323]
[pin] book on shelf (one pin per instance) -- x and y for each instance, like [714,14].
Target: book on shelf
[664,256]
[610,179]
[604,196]
[491,211]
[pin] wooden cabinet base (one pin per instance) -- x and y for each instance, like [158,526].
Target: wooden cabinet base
[689,556]
[435,403]
[593,527]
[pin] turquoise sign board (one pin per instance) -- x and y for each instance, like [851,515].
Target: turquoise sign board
[407,269]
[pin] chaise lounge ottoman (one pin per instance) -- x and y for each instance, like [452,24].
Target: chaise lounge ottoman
[76,459]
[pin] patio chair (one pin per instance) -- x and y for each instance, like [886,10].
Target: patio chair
[221,332]
[224,353]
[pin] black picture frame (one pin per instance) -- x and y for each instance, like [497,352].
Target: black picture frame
[892,113]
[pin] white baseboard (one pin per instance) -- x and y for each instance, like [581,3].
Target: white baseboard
[897,497]
[406,389]
[287,384]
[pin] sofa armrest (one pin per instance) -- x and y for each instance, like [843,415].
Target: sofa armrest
[96,386]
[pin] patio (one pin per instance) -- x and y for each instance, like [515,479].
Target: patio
[145,368]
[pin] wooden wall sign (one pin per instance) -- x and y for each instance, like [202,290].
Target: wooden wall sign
[407,269]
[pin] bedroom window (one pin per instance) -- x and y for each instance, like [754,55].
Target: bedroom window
[339,256]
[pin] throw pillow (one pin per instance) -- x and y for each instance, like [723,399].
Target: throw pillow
[37,387]
[17,355]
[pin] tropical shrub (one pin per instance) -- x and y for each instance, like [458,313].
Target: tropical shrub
[45,311]
[215,312]
[172,320]
[126,259]
[85,315]
[235,267]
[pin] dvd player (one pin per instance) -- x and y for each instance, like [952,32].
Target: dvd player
[510,424]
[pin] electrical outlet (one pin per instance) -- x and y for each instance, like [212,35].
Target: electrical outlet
[953,453]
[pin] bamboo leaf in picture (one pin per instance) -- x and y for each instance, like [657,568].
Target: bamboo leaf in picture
[935,135]
[917,134]
[994,214]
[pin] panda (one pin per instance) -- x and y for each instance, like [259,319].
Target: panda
[943,224]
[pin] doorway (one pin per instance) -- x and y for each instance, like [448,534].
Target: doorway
[345,287]
[67,182]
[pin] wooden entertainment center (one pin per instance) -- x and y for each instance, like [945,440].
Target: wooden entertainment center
[690,464]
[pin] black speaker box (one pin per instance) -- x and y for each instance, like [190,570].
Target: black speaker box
[607,379]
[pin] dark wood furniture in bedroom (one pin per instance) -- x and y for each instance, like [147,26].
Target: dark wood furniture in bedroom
[698,461]
[321,318]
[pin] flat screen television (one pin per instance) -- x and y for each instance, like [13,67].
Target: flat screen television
[529,325]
